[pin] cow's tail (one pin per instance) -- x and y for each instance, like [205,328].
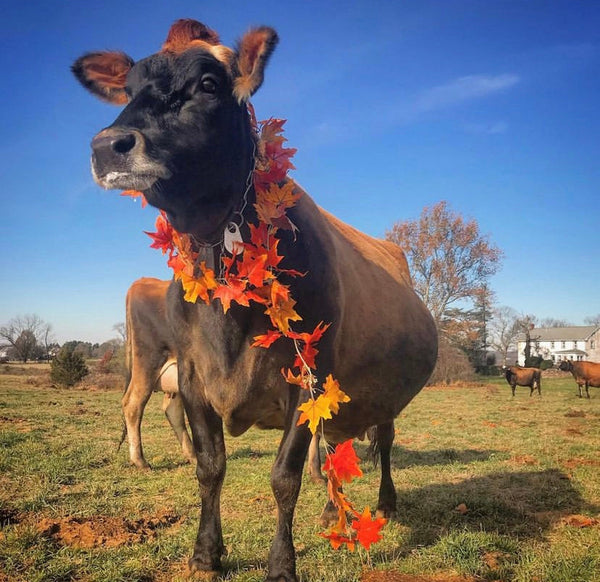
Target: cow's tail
[373,448]
[128,360]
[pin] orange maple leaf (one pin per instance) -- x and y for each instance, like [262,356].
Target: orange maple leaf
[367,529]
[271,204]
[136,194]
[265,340]
[337,539]
[308,351]
[335,395]
[343,462]
[313,411]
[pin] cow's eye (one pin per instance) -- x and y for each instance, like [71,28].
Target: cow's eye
[208,84]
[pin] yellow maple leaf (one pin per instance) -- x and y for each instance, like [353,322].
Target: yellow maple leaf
[198,286]
[314,410]
[281,309]
[333,392]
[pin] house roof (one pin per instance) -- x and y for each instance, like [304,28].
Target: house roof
[574,352]
[576,332]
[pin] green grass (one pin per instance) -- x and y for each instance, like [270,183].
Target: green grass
[522,467]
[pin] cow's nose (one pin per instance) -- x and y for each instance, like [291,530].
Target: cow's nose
[116,141]
[115,149]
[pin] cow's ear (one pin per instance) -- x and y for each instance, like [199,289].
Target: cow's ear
[104,74]
[253,52]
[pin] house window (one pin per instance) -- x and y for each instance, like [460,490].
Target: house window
[563,345]
[552,345]
[592,344]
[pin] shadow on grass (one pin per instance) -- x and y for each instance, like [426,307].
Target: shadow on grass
[521,504]
[403,458]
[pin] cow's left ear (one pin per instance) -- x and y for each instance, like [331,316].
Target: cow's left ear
[104,74]
[253,52]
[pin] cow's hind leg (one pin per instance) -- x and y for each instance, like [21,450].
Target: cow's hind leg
[386,506]
[313,464]
[133,403]
[173,408]
[587,389]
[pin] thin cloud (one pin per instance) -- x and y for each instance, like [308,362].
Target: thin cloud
[461,90]
[495,128]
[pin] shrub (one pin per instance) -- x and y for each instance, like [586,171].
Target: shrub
[68,367]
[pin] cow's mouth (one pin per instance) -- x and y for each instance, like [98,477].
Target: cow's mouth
[117,180]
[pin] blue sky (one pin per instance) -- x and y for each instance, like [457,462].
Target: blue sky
[393,106]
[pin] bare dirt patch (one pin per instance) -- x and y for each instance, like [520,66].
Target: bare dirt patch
[392,576]
[579,462]
[107,532]
[575,414]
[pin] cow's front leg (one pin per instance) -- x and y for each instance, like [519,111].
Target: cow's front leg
[207,434]
[286,478]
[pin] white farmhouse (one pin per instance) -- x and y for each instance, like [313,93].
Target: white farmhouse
[581,342]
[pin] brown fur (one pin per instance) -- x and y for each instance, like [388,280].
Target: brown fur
[519,376]
[184,31]
[105,75]
[151,366]
[254,50]
[585,373]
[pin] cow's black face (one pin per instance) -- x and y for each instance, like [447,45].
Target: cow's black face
[184,138]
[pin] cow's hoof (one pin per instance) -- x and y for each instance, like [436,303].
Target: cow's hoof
[195,572]
[200,570]
[385,512]
[329,515]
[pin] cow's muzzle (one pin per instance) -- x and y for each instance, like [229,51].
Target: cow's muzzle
[119,160]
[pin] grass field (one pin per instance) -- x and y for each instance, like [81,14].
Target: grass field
[489,488]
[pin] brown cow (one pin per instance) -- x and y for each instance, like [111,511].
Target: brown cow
[151,366]
[185,139]
[517,375]
[585,373]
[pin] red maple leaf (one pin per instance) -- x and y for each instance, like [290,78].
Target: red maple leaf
[234,290]
[367,529]
[163,237]
[343,462]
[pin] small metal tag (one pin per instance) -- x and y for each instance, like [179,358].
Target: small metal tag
[232,239]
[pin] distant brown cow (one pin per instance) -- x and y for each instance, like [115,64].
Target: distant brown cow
[585,373]
[518,376]
[151,366]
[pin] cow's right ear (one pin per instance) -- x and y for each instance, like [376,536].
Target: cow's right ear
[104,74]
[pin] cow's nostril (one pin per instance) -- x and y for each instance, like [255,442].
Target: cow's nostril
[124,143]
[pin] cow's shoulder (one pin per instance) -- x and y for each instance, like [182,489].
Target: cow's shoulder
[387,255]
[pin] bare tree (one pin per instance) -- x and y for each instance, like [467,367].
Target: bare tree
[505,327]
[554,322]
[449,259]
[29,335]
[121,330]
[592,319]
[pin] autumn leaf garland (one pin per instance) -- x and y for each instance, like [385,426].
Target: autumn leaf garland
[251,274]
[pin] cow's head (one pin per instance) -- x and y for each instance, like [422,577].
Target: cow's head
[184,137]
[565,366]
